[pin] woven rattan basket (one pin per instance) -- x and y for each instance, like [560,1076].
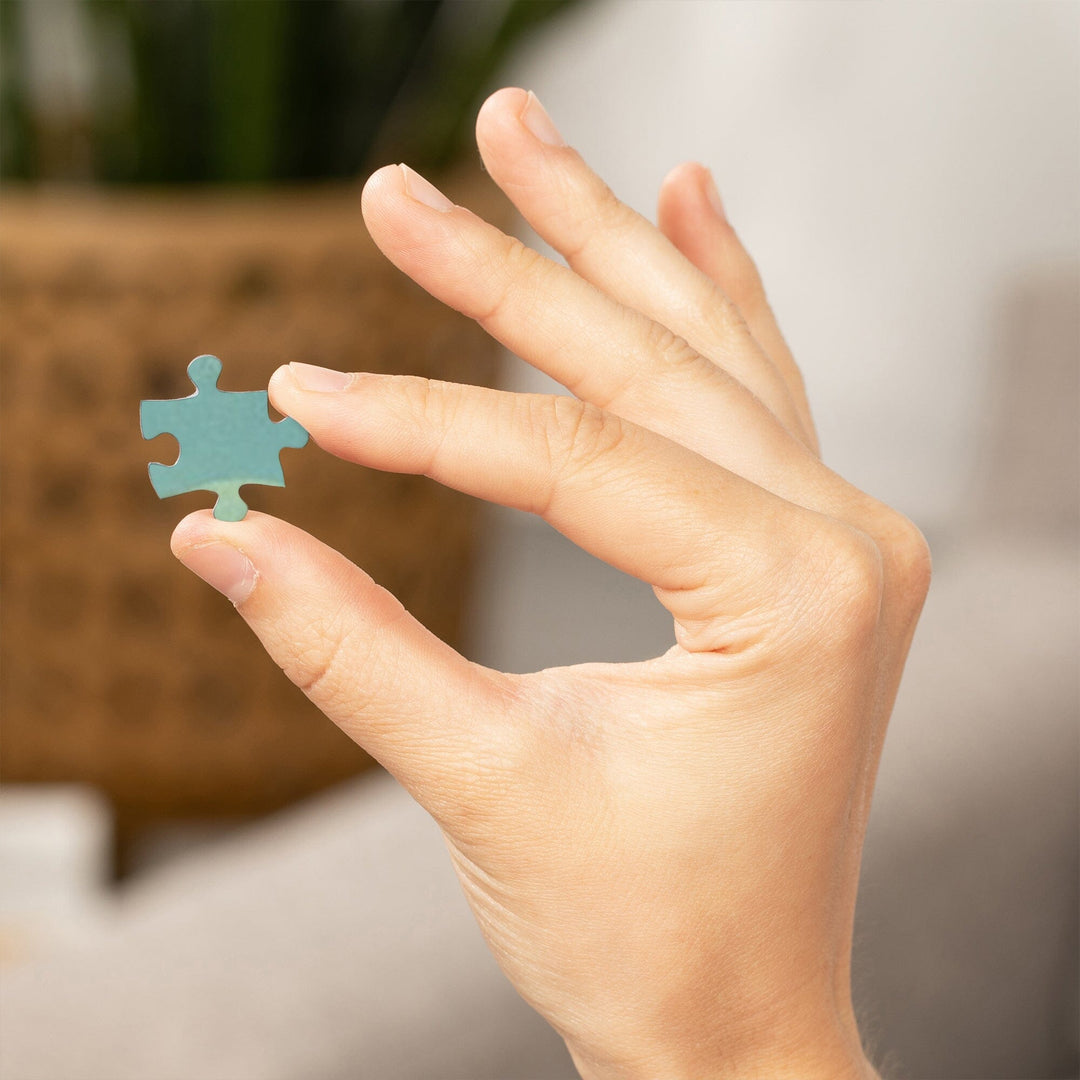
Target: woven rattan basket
[119,668]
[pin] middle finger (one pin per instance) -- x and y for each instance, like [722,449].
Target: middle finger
[604,352]
[617,249]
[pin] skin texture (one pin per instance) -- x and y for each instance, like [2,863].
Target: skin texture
[663,856]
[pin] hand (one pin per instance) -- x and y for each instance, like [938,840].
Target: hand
[663,856]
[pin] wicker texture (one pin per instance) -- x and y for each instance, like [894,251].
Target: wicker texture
[120,668]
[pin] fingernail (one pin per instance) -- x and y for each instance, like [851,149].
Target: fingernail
[534,116]
[714,196]
[224,567]
[424,191]
[312,377]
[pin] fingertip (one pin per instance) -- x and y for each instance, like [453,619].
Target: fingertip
[191,531]
[514,132]
[286,393]
[689,189]
[381,177]
[685,174]
[201,527]
[690,214]
[281,382]
[505,103]
[389,180]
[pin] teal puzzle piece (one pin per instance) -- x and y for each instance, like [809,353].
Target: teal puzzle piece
[226,440]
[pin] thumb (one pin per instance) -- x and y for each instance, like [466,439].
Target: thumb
[435,720]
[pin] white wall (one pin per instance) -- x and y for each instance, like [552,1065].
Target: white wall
[908,177]
[895,169]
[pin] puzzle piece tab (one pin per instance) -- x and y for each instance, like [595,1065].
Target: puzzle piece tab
[226,440]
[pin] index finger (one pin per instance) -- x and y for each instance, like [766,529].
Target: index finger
[715,545]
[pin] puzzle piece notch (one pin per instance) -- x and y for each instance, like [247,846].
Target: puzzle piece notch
[227,439]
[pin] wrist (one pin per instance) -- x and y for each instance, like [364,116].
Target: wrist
[814,1063]
[828,1051]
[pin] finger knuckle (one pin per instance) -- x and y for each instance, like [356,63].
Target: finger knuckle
[612,213]
[586,435]
[316,664]
[908,563]
[338,662]
[669,350]
[505,269]
[743,285]
[428,411]
[518,259]
[590,211]
[846,568]
[725,318]
[574,434]
[415,399]
[414,392]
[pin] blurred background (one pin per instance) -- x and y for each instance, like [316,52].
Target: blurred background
[199,876]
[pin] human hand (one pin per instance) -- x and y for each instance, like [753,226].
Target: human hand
[663,856]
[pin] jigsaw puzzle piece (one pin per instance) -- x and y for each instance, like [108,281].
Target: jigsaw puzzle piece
[167,481]
[230,506]
[204,371]
[164,417]
[227,439]
[155,418]
[290,433]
